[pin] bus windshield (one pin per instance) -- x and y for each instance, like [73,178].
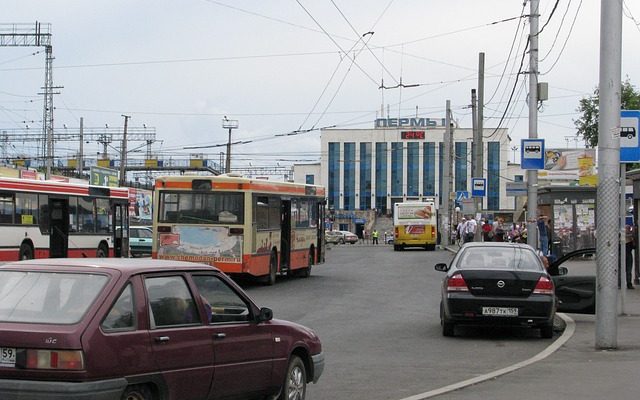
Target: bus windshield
[202,208]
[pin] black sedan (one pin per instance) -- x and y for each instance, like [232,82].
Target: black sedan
[497,284]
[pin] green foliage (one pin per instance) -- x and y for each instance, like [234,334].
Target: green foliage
[587,124]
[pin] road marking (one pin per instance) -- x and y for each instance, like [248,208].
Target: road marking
[552,348]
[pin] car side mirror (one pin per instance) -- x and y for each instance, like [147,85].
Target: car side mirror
[442,267]
[563,271]
[266,314]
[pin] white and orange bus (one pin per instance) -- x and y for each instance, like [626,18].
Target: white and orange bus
[242,226]
[49,219]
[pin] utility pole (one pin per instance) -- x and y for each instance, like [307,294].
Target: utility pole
[229,124]
[532,175]
[478,154]
[123,154]
[446,179]
[474,147]
[609,184]
[81,155]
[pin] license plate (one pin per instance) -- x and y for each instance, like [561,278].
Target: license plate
[500,311]
[7,356]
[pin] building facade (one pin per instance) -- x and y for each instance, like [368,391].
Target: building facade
[402,160]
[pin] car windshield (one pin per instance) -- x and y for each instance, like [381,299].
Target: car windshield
[47,297]
[494,257]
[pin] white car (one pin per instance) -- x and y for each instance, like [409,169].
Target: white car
[348,237]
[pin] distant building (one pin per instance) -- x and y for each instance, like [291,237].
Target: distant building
[400,160]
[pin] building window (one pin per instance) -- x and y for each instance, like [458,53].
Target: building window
[365,176]
[429,169]
[493,175]
[381,177]
[334,175]
[349,188]
[396,168]
[518,178]
[309,179]
[413,168]
[461,166]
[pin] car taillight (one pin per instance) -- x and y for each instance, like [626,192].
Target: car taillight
[456,283]
[54,359]
[544,286]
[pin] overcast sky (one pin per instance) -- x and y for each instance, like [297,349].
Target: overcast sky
[278,66]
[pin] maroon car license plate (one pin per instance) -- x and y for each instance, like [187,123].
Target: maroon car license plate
[500,311]
[7,357]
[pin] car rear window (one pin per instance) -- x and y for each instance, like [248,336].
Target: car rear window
[47,297]
[493,257]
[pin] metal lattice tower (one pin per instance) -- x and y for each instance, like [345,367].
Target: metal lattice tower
[39,35]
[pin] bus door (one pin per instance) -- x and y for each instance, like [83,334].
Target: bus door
[320,233]
[285,234]
[58,227]
[120,215]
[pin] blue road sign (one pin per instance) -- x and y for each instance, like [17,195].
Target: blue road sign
[629,142]
[461,195]
[532,154]
[478,187]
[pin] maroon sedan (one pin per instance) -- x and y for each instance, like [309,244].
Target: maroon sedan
[143,329]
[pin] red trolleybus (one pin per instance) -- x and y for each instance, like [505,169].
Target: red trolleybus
[242,226]
[48,219]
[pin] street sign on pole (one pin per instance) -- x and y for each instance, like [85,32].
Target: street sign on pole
[478,187]
[461,195]
[532,154]
[629,141]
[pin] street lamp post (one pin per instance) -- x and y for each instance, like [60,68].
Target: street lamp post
[229,124]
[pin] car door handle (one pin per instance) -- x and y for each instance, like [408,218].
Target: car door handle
[162,339]
[219,335]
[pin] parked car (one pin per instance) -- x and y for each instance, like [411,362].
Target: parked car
[340,237]
[144,329]
[348,237]
[140,240]
[497,284]
[334,237]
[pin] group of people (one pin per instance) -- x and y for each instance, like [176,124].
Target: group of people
[497,231]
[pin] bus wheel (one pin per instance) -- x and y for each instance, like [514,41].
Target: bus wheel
[102,252]
[273,268]
[306,272]
[26,252]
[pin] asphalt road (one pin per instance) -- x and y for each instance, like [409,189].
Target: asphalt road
[377,314]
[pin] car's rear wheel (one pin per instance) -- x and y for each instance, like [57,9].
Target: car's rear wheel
[295,382]
[137,392]
[447,328]
[341,241]
[546,331]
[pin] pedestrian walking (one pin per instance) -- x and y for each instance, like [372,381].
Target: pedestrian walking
[543,234]
[487,231]
[470,230]
[460,229]
[630,245]
[374,236]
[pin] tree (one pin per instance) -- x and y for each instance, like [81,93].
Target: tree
[587,124]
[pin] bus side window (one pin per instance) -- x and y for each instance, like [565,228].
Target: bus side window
[43,200]
[6,209]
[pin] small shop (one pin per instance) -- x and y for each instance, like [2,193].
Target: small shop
[572,214]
